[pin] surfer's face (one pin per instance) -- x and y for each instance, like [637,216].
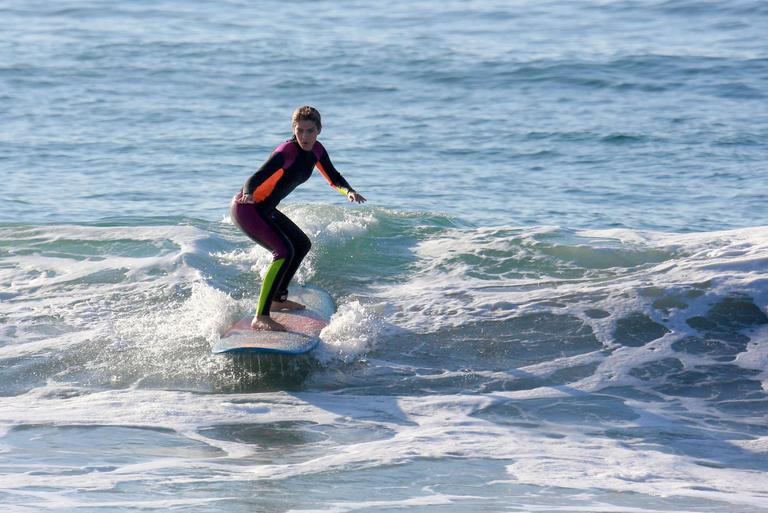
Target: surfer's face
[306,134]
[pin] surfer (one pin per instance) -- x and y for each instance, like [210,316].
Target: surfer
[254,210]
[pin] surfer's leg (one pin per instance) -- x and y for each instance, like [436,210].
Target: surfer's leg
[260,227]
[301,245]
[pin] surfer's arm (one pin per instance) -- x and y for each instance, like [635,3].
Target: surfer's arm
[261,184]
[334,178]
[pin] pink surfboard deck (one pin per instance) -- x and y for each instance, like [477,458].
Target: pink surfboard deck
[303,327]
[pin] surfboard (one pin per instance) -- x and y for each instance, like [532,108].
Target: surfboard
[303,327]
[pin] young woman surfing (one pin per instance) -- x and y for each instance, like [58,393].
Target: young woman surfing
[254,210]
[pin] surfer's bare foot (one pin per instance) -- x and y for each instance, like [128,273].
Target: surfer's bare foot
[266,323]
[287,305]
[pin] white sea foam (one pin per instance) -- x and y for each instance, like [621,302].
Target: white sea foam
[331,225]
[352,332]
[465,276]
[152,328]
[434,427]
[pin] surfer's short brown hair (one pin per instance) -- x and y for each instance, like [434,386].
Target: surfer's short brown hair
[306,113]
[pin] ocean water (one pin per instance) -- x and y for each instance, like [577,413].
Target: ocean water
[555,299]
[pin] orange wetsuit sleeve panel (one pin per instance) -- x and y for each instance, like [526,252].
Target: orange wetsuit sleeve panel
[329,172]
[266,188]
[261,184]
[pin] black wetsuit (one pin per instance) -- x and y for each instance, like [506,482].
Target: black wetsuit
[288,167]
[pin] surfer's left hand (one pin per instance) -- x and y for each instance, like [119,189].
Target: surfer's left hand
[355,197]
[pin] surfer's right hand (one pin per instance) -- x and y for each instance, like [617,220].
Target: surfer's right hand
[244,199]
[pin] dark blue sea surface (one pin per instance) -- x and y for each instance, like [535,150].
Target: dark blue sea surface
[555,299]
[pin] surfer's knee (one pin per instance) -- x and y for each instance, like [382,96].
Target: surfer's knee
[284,251]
